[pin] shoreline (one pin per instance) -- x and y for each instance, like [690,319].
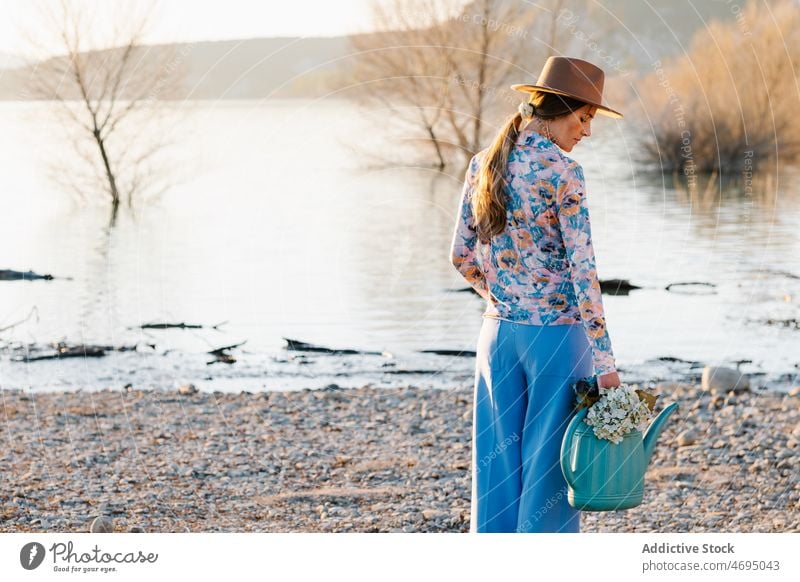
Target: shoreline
[284,370]
[358,460]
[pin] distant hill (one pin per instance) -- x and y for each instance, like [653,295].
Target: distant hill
[236,69]
[309,67]
[659,32]
[259,68]
[9,61]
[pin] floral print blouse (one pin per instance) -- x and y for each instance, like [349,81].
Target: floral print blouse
[541,269]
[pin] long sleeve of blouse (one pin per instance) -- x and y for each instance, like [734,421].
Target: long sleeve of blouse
[541,269]
[463,248]
[576,232]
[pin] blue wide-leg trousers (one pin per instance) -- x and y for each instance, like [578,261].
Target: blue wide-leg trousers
[522,404]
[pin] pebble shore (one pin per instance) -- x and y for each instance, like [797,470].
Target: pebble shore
[356,460]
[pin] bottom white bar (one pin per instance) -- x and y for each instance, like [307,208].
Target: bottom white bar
[415,557]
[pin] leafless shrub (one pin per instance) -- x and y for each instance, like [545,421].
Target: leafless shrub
[729,105]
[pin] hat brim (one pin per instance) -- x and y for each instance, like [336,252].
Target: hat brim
[602,109]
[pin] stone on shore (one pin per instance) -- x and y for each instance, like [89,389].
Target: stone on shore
[721,380]
[687,437]
[101,524]
[187,389]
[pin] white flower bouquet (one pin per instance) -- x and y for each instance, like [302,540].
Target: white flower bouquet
[619,411]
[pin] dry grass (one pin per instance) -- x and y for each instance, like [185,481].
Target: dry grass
[730,104]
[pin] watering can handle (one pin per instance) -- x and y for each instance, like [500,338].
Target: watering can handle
[566,443]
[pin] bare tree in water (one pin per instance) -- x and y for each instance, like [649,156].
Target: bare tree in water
[443,67]
[439,66]
[111,101]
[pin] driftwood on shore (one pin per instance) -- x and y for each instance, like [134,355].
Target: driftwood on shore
[181,325]
[222,357]
[676,360]
[690,284]
[11,275]
[617,287]
[62,350]
[410,372]
[462,353]
[66,352]
[298,346]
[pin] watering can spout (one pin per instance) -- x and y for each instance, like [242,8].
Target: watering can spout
[651,436]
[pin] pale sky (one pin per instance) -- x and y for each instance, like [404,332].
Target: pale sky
[192,20]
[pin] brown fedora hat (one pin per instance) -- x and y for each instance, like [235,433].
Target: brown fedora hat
[574,78]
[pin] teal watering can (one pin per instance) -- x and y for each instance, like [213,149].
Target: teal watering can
[601,475]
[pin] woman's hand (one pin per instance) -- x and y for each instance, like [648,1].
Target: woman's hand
[608,380]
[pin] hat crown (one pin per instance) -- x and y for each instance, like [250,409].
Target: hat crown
[575,76]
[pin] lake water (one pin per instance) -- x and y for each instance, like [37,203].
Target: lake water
[284,227]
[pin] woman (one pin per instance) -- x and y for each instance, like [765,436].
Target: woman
[523,241]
